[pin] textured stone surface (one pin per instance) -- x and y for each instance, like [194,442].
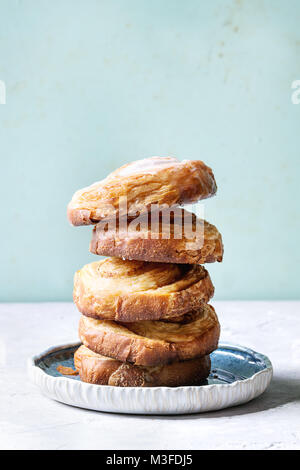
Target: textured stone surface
[28,420]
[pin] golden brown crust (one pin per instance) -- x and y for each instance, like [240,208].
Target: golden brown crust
[97,369]
[177,237]
[155,180]
[124,290]
[151,343]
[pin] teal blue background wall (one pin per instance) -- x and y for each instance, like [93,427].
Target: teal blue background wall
[94,84]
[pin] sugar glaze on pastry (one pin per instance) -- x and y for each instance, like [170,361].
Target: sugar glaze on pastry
[155,180]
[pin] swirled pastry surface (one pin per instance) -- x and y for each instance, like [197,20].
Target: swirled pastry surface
[153,342]
[126,290]
[155,180]
[169,236]
[98,369]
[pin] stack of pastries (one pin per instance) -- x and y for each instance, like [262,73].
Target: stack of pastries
[145,318]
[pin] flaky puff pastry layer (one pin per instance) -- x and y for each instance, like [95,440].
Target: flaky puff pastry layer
[97,369]
[152,343]
[155,180]
[176,236]
[124,290]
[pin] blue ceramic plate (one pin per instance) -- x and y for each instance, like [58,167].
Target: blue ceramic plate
[238,374]
[228,363]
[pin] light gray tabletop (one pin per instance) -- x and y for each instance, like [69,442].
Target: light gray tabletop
[28,420]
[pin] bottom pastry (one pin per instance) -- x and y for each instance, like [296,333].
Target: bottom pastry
[102,370]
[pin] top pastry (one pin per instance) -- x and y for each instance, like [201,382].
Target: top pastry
[134,187]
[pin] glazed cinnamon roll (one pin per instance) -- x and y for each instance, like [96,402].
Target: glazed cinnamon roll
[97,369]
[152,343]
[155,180]
[169,236]
[124,290]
